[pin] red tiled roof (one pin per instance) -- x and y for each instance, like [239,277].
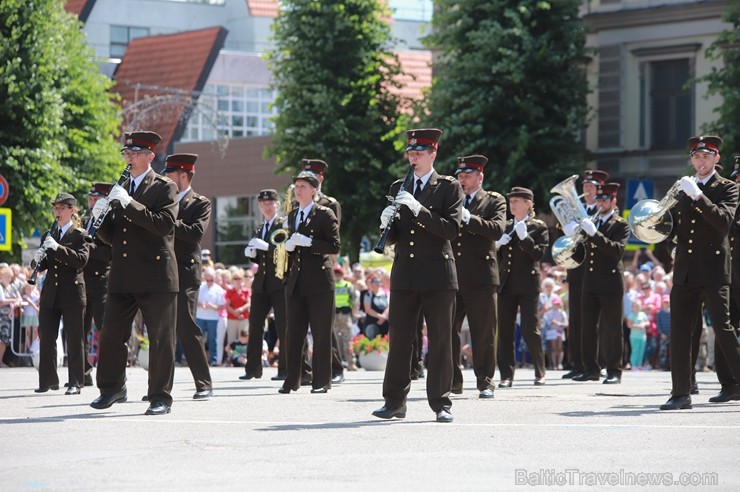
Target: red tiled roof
[417,73]
[263,8]
[165,67]
[80,8]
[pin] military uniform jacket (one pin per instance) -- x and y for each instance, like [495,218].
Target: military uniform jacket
[142,239]
[331,203]
[64,285]
[98,264]
[192,220]
[701,229]
[603,269]
[519,261]
[735,249]
[424,260]
[265,279]
[474,247]
[310,270]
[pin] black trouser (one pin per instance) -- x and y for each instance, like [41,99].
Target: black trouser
[49,319]
[480,307]
[602,326]
[507,309]
[191,337]
[94,310]
[260,308]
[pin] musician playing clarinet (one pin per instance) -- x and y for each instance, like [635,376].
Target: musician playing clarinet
[423,278]
[520,250]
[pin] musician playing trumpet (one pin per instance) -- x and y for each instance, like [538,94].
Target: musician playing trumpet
[702,218]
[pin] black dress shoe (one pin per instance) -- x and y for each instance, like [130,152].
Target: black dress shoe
[681,402]
[247,377]
[444,415]
[320,390]
[88,380]
[695,389]
[486,393]
[157,408]
[386,412]
[44,389]
[338,379]
[279,377]
[72,390]
[456,391]
[586,377]
[571,374]
[725,395]
[145,398]
[283,390]
[505,383]
[613,380]
[306,380]
[107,401]
[539,382]
[203,394]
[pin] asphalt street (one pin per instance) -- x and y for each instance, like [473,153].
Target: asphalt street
[562,436]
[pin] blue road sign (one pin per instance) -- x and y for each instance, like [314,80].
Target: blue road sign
[6,225]
[638,189]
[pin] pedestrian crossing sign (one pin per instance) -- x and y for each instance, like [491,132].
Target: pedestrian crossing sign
[6,225]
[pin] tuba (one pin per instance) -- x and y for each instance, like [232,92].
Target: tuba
[650,220]
[567,207]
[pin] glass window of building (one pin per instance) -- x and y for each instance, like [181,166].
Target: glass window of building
[412,10]
[236,220]
[121,36]
[671,118]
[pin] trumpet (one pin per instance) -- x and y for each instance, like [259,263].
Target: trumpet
[34,276]
[280,255]
[650,220]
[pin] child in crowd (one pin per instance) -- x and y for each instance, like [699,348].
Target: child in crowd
[555,322]
[30,314]
[237,349]
[663,320]
[638,323]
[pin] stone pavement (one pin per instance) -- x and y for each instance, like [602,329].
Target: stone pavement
[562,436]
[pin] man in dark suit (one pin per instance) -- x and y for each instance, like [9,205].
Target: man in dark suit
[194,214]
[309,289]
[702,218]
[96,275]
[520,251]
[267,289]
[423,278]
[483,221]
[593,179]
[603,288]
[143,275]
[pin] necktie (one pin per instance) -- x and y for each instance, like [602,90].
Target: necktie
[301,219]
[599,224]
[419,184]
[264,231]
[467,201]
[133,187]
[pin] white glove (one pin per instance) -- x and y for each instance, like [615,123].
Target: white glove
[38,256]
[465,215]
[503,241]
[100,207]
[406,198]
[250,252]
[50,243]
[521,230]
[688,185]
[290,245]
[386,215]
[588,226]
[301,240]
[258,243]
[570,228]
[119,193]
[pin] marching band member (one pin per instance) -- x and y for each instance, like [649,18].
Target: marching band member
[603,288]
[701,273]
[309,290]
[520,251]
[193,217]
[143,276]
[268,292]
[63,296]
[483,222]
[423,278]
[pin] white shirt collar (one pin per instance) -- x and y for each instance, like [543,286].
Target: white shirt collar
[137,181]
[181,195]
[424,179]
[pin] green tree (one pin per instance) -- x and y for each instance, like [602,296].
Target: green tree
[724,80]
[334,73]
[57,119]
[510,83]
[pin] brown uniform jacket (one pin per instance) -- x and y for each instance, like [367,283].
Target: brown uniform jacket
[331,203]
[98,264]
[474,247]
[603,270]
[310,270]
[142,239]
[64,285]
[519,260]
[192,220]
[701,229]
[265,279]
[735,249]
[424,260]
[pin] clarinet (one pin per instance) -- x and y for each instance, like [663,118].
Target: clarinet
[52,230]
[380,247]
[99,220]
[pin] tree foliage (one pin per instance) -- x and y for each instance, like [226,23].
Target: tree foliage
[334,71]
[510,83]
[724,80]
[57,121]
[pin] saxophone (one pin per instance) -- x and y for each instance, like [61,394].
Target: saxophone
[278,238]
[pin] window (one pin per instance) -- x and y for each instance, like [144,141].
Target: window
[670,104]
[412,10]
[121,36]
[236,220]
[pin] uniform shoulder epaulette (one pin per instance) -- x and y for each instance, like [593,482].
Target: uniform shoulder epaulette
[725,180]
[447,178]
[538,221]
[81,229]
[330,198]
[398,181]
[619,218]
[495,194]
[165,179]
[321,207]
